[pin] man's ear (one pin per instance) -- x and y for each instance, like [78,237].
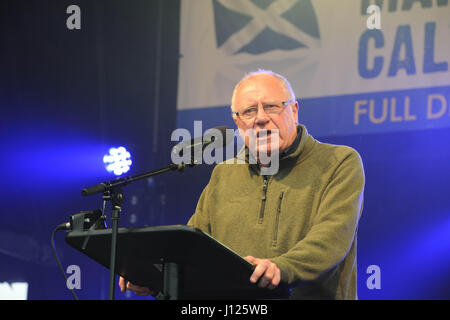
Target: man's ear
[235,119]
[295,112]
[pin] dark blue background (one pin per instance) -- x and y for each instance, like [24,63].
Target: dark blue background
[66,96]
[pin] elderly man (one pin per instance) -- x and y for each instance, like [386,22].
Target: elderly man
[299,224]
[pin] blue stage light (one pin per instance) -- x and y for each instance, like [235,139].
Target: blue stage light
[118,161]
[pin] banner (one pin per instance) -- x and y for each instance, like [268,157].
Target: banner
[356,66]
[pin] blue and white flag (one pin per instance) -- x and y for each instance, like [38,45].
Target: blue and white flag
[355,68]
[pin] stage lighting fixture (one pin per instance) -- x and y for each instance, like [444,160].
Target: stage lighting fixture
[118,161]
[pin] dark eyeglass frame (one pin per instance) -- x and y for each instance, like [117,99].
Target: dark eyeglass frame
[283,103]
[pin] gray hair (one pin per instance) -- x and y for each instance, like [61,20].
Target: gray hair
[287,86]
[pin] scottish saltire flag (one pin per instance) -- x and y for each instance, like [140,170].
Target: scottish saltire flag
[349,76]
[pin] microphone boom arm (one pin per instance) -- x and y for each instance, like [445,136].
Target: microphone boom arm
[120,182]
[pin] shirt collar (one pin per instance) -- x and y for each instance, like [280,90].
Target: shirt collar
[294,145]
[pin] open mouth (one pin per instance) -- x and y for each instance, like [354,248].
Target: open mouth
[263,133]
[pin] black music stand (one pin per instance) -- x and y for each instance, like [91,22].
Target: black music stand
[178,261]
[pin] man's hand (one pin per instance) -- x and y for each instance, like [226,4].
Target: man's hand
[143,291]
[267,272]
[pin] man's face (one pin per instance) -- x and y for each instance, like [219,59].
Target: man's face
[259,90]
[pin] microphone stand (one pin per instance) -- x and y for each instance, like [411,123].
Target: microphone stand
[112,191]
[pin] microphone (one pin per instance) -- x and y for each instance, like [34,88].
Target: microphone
[181,155]
[211,136]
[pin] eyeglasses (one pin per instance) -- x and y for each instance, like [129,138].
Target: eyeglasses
[269,108]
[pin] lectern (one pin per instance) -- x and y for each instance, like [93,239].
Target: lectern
[177,261]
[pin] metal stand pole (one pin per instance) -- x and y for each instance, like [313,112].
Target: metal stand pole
[117,199]
[171,281]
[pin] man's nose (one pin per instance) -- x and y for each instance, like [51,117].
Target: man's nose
[261,116]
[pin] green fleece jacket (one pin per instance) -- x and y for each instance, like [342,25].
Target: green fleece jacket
[304,218]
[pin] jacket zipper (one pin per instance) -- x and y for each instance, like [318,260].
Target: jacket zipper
[263,200]
[277,219]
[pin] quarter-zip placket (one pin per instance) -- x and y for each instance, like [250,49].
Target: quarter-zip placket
[263,199]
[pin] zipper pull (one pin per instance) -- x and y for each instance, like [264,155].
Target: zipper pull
[265,188]
[279,201]
[263,200]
